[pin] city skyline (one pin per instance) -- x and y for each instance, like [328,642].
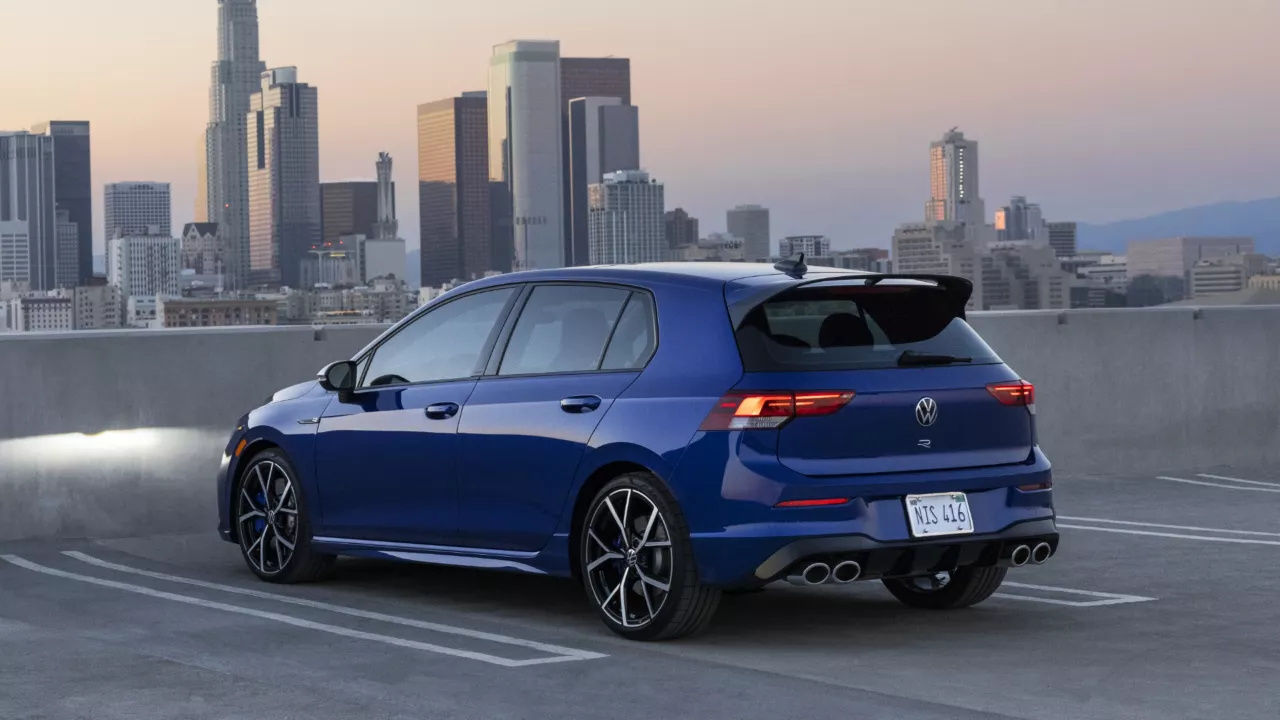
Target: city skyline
[1079,87]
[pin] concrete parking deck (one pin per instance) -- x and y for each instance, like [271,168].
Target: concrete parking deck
[1162,603]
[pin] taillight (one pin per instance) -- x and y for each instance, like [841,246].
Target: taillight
[1018,392]
[768,410]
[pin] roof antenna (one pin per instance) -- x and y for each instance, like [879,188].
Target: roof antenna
[795,268]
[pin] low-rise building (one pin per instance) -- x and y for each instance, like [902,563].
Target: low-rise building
[810,245]
[49,312]
[99,306]
[716,247]
[192,312]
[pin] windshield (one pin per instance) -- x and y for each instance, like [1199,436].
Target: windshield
[848,325]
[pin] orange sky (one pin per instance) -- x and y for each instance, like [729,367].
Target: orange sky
[820,109]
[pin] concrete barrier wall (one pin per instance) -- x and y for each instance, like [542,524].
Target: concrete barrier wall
[119,433]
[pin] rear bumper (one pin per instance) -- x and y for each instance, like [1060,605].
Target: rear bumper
[741,538]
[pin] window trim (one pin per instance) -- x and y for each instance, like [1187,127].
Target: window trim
[500,350]
[485,352]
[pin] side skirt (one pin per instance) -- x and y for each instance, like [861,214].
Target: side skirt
[519,561]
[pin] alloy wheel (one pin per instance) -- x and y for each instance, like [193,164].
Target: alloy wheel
[628,558]
[267,517]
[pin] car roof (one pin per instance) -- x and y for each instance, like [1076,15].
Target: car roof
[709,273]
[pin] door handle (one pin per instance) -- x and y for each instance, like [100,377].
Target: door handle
[580,404]
[442,411]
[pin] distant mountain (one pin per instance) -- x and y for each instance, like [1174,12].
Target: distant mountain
[1258,219]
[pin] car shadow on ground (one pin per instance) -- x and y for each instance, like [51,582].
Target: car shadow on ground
[829,615]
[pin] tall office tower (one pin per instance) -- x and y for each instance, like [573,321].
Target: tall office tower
[605,77]
[348,208]
[604,137]
[201,209]
[28,211]
[144,265]
[387,227]
[953,181]
[137,208]
[73,190]
[1062,238]
[453,189]
[67,266]
[751,223]
[626,222]
[284,177]
[1021,220]
[681,228]
[525,163]
[235,78]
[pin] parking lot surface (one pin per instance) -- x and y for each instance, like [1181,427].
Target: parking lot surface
[1163,602]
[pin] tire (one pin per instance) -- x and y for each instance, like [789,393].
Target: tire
[963,587]
[625,571]
[270,513]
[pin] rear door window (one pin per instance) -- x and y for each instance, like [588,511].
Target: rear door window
[848,325]
[563,328]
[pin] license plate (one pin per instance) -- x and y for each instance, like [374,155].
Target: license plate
[939,514]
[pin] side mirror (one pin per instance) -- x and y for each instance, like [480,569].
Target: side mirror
[339,377]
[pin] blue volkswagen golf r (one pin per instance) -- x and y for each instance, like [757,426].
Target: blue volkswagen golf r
[662,433]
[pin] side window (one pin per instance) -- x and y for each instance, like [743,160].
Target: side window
[563,328]
[443,344]
[635,338]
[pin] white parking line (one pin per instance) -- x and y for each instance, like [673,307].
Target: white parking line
[1103,598]
[1239,480]
[300,622]
[1217,485]
[572,653]
[1168,527]
[1206,538]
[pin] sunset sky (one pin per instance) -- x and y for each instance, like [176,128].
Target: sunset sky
[820,109]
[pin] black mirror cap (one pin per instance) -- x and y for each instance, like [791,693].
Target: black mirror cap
[338,377]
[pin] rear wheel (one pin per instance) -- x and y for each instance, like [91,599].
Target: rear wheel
[273,525]
[947,590]
[637,562]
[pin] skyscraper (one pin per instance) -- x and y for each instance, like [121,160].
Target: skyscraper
[751,223]
[1062,238]
[387,227]
[1021,220]
[67,265]
[348,208]
[284,177]
[73,190]
[453,189]
[28,214]
[525,145]
[235,77]
[144,266]
[681,228]
[137,208]
[953,181]
[604,136]
[625,217]
[383,253]
[604,77]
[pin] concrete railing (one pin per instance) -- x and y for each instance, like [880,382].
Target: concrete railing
[119,433]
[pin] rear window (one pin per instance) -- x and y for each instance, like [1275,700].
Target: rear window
[847,325]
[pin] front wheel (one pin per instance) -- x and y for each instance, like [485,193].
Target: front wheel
[272,522]
[947,590]
[638,565]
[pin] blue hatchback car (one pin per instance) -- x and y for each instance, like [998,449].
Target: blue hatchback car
[662,433]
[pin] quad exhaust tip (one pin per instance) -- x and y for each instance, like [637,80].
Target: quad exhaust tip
[1041,552]
[812,574]
[1020,556]
[846,572]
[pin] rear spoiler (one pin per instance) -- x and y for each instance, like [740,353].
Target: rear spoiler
[958,290]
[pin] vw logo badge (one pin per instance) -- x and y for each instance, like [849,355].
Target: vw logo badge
[926,412]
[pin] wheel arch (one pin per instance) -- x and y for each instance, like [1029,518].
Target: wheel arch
[250,450]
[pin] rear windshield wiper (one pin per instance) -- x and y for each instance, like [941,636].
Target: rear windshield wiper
[911,357]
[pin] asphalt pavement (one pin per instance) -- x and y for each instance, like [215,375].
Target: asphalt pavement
[1163,602]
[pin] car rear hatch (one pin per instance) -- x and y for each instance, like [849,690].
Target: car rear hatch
[927,392]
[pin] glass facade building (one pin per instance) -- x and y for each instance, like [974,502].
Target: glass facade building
[73,191]
[454,191]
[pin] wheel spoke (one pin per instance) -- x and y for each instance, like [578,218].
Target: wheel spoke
[262,484]
[648,528]
[592,534]
[288,491]
[644,590]
[282,541]
[664,587]
[262,548]
[626,511]
[252,514]
[602,559]
[605,602]
[608,502]
[657,544]
[244,492]
[622,595]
